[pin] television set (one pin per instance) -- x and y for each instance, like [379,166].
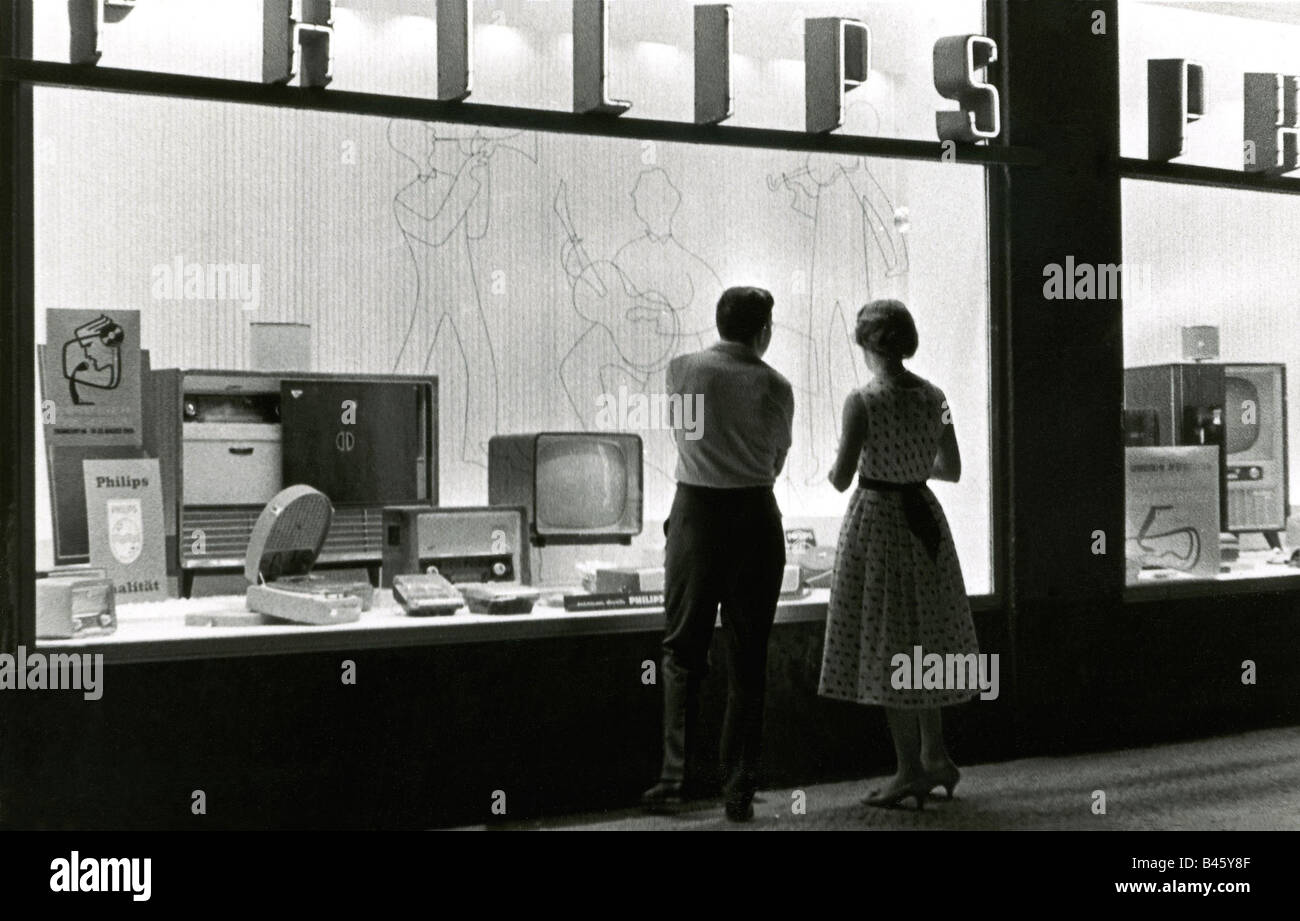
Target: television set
[1242,408]
[1255,445]
[576,487]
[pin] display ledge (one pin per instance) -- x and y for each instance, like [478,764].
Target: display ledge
[1230,583]
[157,632]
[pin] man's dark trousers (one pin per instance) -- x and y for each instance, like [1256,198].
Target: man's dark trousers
[725,547]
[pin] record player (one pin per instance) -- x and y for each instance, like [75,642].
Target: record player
[286,541]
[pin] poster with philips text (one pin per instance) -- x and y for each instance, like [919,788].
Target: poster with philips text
[124,521]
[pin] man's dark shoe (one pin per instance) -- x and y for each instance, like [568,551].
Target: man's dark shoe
[740,809]
[664,797]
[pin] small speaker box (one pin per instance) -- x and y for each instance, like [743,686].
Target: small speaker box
[1200,343]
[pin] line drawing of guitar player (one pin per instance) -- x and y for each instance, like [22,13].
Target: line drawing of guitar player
[657,260]
[443,213]
[631,336]
[631,332]
[857,247]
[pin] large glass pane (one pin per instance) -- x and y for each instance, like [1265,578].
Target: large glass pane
[425,248]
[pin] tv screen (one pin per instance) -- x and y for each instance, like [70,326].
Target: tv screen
[578,487]
[581,484]
[1255,445]
[1243,427]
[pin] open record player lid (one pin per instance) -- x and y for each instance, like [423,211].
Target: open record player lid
[288,534]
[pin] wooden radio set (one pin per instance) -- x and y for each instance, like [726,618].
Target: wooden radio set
[466,545]
[229,441]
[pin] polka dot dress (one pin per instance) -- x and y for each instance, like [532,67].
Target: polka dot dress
[888,596]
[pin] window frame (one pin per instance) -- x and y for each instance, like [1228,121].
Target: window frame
[19,74]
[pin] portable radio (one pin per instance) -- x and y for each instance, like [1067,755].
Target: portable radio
[473,544]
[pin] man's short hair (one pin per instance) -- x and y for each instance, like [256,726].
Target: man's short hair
[743,312]
[886,328]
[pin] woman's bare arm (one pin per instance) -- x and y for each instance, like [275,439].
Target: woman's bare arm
[853,435]
[947,463]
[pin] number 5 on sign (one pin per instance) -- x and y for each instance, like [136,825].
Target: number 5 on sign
[957,60]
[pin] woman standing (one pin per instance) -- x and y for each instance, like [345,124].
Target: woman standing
[897,582]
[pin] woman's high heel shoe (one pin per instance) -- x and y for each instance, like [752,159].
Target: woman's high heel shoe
[918,790]
[947,779]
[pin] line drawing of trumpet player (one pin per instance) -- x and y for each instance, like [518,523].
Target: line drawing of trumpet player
[443,215]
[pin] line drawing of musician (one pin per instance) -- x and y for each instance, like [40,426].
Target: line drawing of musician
[858,252]
[652,299]
[657,260]
[631,332]
[93,357]
[442,214]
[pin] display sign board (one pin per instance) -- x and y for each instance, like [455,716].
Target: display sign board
[90,369]
[124,521]
[1173,508]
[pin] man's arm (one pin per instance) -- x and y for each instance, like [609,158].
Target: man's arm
[780,462]
[672,375]
[787,426]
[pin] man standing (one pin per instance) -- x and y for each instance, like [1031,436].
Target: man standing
[725,544]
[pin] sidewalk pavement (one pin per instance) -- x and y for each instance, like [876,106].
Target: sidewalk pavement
[1241,782]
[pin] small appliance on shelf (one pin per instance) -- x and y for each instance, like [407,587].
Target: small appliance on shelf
[464,544]
[499,598]
[286,541]
[427,594]
[75,602]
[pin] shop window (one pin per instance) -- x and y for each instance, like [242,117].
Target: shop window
[375,246]
[1211,352]
[1210,340]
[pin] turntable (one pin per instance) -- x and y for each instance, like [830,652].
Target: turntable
[286,541]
